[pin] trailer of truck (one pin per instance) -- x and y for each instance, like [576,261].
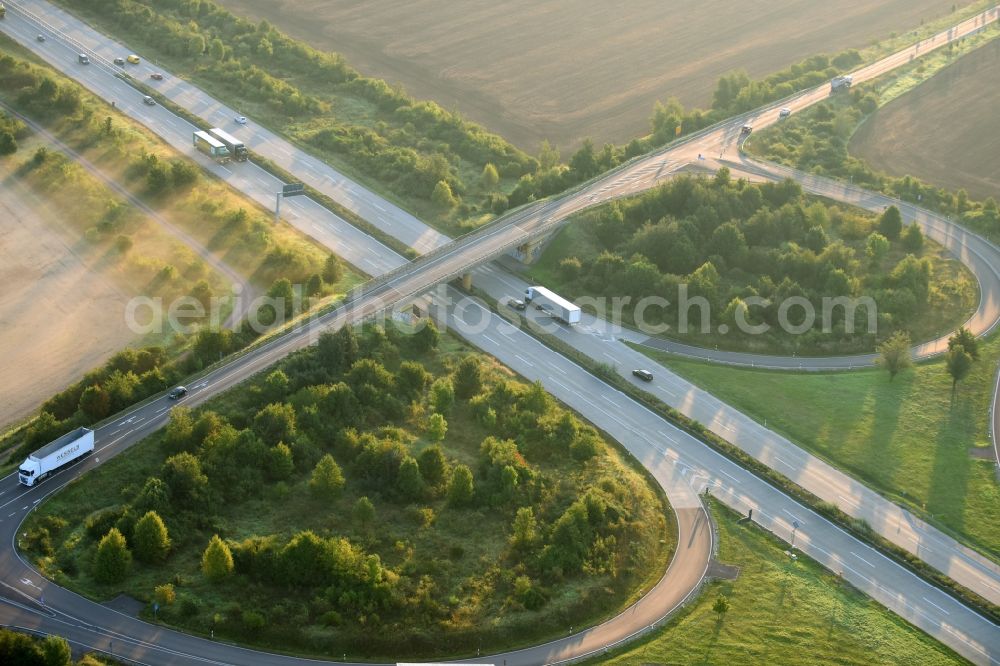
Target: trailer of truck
[211,146]
[552,303]
[840,83]
[54,455]
[237,148]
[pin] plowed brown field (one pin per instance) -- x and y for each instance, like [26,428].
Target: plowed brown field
[568,69]
[945,131]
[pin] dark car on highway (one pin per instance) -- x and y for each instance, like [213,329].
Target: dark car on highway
[119,61]
[644,375]
[156,76]
[177,393]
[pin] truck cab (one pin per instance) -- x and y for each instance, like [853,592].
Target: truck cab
[27,472]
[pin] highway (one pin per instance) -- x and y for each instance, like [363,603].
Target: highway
[443,263]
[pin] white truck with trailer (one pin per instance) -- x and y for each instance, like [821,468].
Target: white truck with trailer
[211,146]
[237,148]
[56,454]
[553,303]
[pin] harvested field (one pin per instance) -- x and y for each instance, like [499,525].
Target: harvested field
[564,70]
[946,131]
[59,317]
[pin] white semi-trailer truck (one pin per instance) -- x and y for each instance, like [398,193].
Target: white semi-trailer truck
[211,146]
[553,303]
[71,446]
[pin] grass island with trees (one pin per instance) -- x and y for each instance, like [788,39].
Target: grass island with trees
[728,240]
[376,494]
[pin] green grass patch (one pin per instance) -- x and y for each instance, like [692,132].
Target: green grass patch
[781,612]
[909,439]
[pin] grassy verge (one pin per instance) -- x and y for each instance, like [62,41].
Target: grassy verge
[909,439]
[781,612]
[858,528]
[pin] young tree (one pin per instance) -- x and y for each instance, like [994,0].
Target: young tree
[442,195]
[8,144]
[442,395]
[95,402]
[958,363]
[409,481]
[721,605]
[275,388]
[154,496]
[275,423]
[460,488]
[333,270]
[548,156]
[217,49]
[188,484]
[412,379]
[876,247]
[113,559]
[280,462]
[433,465]
[164,594]
[437,427]
[314,286]
[150,538]
[913,239]
[338,351]
[426,338]
[327,480]
[364,512]
[468,379]
[490,178]
[894,354]
[217,560]
[890,223]
[525,528]
[56,652]
[964,339]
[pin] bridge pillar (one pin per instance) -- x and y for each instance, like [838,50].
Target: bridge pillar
[467,281]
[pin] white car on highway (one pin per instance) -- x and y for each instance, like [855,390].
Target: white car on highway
[242,120]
